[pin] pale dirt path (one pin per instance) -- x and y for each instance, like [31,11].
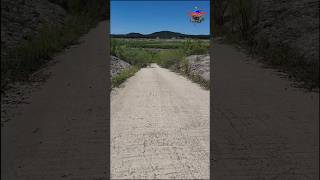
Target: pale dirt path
[159,127]
[263,128]
[61,132]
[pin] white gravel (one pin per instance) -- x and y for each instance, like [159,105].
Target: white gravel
[159,127]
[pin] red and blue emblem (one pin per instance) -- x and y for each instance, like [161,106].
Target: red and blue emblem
[197,16]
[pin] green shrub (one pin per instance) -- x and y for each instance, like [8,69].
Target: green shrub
[167,59]
[135,56]
[160,44]
[123,75]
[195,47]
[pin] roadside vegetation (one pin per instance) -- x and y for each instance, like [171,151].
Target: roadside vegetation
[123,75]
[151,43]
[172,57]
[33,54]
[137,57]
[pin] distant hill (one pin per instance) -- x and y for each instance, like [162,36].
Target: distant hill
[161,35]
[166,34]
[136,35]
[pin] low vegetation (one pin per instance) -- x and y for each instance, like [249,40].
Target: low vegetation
[137,57]
[135,52]
[199,80]
[161,44]
[36,52]
[123,75]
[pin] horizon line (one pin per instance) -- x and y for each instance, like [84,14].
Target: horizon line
[155,32]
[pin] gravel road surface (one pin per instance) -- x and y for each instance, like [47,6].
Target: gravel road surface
[159,127]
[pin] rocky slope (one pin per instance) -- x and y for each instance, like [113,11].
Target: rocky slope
[199,65]
[285,32]
[22,19]
[291,24]
[117,65]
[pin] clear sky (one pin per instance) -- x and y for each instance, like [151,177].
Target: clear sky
[151,16]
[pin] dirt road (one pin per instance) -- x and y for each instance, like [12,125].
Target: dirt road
[59,132]
[263,127]
[159,127]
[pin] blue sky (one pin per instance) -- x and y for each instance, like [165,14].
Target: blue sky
[151,16]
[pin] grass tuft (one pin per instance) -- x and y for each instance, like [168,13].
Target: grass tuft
[123,75]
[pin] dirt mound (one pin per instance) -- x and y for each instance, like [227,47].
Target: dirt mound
[117,65]
[200,65]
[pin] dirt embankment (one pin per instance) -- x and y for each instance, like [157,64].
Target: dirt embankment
[285,32]
[292,24]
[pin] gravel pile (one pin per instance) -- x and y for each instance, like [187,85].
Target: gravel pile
[200,65]
[118,65]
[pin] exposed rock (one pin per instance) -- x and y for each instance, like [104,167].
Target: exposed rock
[199,65]
[117,65]
[293,23]
[22,19]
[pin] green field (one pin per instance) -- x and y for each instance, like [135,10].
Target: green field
[169,52]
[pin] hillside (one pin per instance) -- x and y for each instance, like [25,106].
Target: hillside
[161,35]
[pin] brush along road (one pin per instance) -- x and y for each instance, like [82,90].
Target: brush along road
[159,127]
